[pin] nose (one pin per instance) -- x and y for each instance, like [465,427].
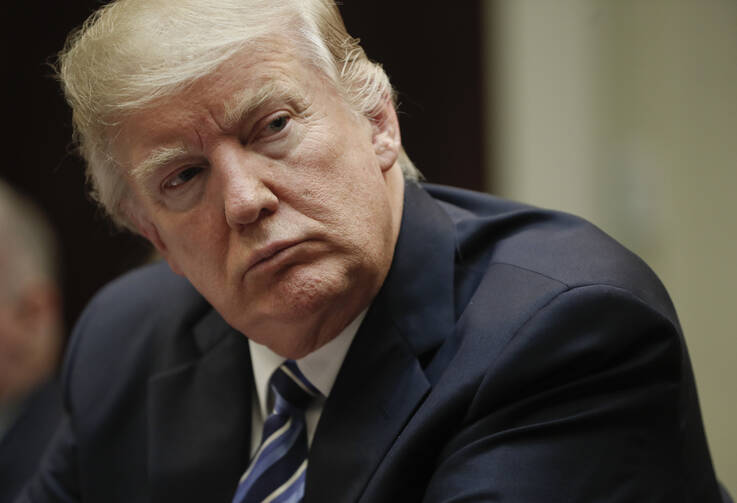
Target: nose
[246,196]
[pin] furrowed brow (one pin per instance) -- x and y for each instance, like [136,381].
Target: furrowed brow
[158,158]
[243,105]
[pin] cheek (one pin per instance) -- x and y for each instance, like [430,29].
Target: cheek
[336,146]
[194,244]
[339,177]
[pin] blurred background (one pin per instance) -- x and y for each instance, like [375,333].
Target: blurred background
[622,111]
[625,112]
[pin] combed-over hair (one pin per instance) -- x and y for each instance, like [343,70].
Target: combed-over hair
[130,53]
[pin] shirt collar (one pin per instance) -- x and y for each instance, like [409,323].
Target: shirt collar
[320,367]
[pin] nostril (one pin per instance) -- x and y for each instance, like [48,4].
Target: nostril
[265,212]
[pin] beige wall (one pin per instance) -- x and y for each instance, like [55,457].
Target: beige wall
[625,111]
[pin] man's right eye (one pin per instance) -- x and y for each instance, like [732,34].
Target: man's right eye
[182,177]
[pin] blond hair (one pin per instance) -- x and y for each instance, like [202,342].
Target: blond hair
[132,52]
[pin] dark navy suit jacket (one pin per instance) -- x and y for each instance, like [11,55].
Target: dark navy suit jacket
[512,355]
[24,443]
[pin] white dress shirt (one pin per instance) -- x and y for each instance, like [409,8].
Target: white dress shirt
[320,367]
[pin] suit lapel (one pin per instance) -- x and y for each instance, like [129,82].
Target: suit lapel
[382,380]
[200,418]
[365,412]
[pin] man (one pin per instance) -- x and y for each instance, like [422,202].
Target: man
[30,340]
[448,346]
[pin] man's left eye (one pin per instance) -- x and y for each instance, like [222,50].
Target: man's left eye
[276,125]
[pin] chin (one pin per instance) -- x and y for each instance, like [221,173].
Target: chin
[304,306]
[299,316]
[306,291]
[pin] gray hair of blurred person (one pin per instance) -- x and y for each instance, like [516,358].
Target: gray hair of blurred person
[28,253]
[131,53]
[30,306]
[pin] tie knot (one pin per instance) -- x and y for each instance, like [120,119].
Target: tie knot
[292,386]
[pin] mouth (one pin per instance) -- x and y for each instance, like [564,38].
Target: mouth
[270,253]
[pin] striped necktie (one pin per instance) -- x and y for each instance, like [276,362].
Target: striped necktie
[277,471]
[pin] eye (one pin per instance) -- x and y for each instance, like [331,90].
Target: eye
[278,124]
[182,177]
[275,125]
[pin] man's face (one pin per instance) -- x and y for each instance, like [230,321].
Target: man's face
[277,201]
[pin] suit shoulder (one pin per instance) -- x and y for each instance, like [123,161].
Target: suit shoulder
[137,302]
[124,326]
[559,246]
[149,288]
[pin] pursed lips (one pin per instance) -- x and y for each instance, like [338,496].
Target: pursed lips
[268,252]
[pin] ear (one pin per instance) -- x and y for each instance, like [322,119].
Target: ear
[386,139]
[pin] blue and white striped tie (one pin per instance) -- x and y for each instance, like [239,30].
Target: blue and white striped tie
[277,471]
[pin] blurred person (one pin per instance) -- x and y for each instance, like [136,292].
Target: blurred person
[324,327]
[30,339]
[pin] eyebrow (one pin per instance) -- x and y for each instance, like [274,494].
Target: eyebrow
[247,102]
[158,158]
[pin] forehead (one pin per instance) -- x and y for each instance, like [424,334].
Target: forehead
[255,73]
[217,102]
